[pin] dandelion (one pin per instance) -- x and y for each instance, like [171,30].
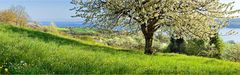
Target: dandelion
[25,65]
[21,62]
[6,70]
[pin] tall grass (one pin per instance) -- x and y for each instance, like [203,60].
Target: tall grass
[29,51]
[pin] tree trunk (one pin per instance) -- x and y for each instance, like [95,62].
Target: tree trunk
[148,34]
[148,44]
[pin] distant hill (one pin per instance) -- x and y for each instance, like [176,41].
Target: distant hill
[234,23]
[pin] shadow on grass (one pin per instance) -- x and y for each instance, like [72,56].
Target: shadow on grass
[46,37]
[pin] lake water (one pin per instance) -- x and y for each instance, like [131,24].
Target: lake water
[64,24]
[225,37]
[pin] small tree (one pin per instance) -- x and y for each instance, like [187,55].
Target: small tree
[150,15]
[14,15]
[21,15]
[8,16]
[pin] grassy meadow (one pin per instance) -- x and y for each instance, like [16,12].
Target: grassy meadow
[28,51]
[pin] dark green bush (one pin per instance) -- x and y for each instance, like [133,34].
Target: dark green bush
[204,48]
[195,47]
[215,49]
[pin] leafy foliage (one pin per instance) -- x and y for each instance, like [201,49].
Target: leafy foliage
[195,47]
[203,48]
[231,52]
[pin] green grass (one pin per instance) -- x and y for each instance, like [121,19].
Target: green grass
[29,51]
[62,29]
[85,30]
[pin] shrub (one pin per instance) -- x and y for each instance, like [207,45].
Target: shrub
[51,28]
[219,45]
[232,52]
[122,41]
[195,47]
[132,42]
[216,48]
[16,15]
[203,47]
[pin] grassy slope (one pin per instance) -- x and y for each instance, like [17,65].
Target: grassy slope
[30,51]
[84,30]
[80,30]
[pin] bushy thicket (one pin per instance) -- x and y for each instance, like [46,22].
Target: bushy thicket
[231,52]
[203,47]
[135,41]
[122,39]
[51,28]
[195,47]
[161,42]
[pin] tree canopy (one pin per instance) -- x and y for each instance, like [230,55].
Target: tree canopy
[185,18]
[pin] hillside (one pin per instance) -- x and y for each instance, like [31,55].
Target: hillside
[32,52]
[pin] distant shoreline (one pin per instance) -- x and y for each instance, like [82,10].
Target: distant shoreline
[63,24]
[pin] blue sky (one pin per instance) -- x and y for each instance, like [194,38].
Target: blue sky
[54,10]
[44,10]
[236,5]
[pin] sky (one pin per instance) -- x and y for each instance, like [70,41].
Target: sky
[55,10]
[43,10]
[236,5]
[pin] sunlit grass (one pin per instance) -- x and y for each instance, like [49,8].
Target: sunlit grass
[30,51]
[84,30]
